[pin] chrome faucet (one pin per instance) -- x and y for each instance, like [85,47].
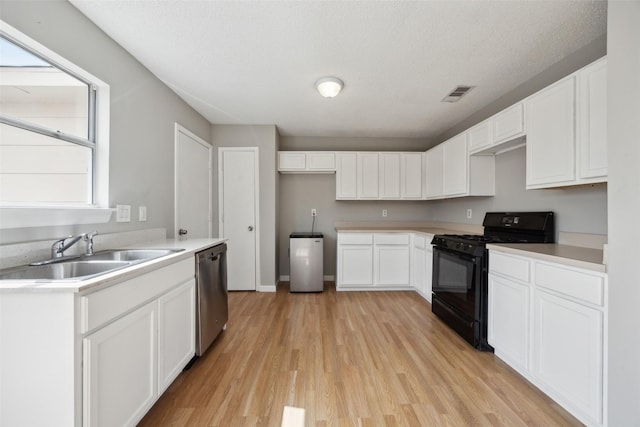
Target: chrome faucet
[61,245]
[88,237]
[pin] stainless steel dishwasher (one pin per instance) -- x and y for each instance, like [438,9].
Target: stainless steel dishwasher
[212,310]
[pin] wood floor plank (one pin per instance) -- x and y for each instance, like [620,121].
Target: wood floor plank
[348,359]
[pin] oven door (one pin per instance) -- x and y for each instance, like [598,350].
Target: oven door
[455,277]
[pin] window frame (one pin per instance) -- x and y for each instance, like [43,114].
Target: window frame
[49,214]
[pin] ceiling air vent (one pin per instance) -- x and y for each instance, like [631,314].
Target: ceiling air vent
[457,93]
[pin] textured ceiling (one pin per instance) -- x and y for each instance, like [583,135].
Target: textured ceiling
[240,62]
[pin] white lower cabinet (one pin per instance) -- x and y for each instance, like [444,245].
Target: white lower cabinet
[355,259]
[422,265]
[373,261]
[508,322]
[548,321]
[568,353]
[120,370]
[176,332]
[131,361]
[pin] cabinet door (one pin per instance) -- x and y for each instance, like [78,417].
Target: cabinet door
[435,169]
[368,176]
[355,265]
[551,135]
[508,321]
[456,166]
[120,370]
[480,136]
[391,265]
[509,124]
[592,140]
[418,270]
[568,353]
[346,175]
[292,161]
[321,161]
[411,176]
[176,332]
[389,175]
[428,271]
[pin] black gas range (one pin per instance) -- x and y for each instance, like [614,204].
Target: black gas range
[460,269]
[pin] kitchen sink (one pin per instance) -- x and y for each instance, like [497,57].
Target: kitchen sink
[70,270]
[131,254]
[85,266]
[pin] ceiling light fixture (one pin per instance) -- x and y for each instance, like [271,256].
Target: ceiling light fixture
[329,87]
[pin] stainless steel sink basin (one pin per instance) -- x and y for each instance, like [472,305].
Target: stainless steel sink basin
[70,270]
[131,254]
[85,266]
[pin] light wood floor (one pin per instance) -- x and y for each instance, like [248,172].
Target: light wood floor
[349,359]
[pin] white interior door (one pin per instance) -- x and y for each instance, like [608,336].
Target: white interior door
[238,200]
[193,184]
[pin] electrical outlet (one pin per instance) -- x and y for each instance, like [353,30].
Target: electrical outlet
[469,213]
[384,212]
[123,213]
[314,212]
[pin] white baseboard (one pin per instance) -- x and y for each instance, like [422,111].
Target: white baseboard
[270,288]
[326,278]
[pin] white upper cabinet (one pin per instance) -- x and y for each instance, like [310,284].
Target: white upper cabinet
[480,136]
[411,175]
[378,175]
[434,160]
[346,175]
[456,166]
[592,120]
[306,161]
[451,172]
[509,124]
[551,135]
[567,130]
[390,175]
[368,176]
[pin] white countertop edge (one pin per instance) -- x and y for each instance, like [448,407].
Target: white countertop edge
[569,261]
[190,246]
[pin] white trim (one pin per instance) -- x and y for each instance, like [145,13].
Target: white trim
[178,129]
[256,151]
[286,278]
[47,215]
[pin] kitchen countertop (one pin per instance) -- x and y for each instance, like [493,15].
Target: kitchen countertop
[190,246]
[575,256]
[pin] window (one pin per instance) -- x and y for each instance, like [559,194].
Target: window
[53,133]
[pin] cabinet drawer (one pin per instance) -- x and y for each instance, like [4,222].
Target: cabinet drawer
[577,284]
[391,239]
[355,239]
[509,266]
[102,306]
[419,241]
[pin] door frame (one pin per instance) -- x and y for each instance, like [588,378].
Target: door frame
[256,213]
[178,128]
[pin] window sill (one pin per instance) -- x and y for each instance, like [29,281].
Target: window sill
[24,217]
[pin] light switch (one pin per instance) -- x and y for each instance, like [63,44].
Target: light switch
[123,213]
[142,213]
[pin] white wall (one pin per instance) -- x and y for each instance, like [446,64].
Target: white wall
[143,113]
[624,206]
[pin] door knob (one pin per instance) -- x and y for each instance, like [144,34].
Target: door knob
[182,232]
[250,228]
